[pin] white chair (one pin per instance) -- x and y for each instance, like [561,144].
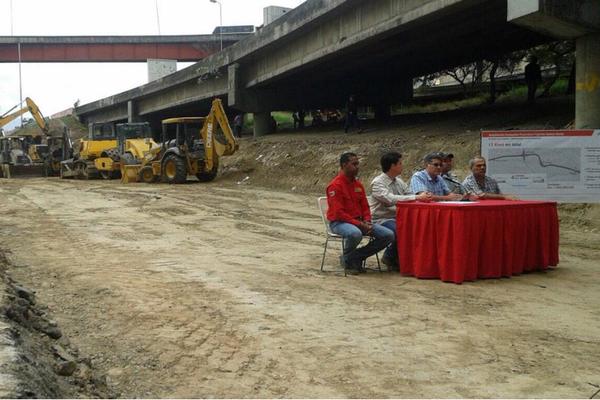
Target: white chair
[330,236]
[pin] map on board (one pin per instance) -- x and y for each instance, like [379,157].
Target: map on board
[559,165]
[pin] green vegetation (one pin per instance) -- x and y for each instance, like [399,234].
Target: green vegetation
[517,93]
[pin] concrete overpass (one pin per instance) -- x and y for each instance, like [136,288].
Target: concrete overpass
[112,48]
[322,51]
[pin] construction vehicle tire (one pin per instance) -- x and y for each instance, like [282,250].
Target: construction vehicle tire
[146,175]
[174,169]
[128,159]
[113,154]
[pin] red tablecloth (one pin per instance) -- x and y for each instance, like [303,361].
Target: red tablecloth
[470,240]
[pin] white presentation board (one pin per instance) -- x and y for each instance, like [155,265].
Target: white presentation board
[559,165]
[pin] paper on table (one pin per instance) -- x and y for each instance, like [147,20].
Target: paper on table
[458,202]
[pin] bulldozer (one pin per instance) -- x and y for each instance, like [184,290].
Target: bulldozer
[23,155]
[97,155]
[189,146]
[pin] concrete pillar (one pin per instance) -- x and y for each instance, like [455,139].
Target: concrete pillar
[587,94]
[262,124]
[132,115]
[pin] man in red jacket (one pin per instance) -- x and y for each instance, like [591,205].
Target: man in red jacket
[349,215]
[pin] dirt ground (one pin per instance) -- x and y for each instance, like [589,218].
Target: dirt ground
[214,290]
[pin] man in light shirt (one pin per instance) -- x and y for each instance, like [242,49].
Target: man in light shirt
[429,180]
[387,189]
[482,186]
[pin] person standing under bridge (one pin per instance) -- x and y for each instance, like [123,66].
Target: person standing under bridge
[533,77]
[351,115]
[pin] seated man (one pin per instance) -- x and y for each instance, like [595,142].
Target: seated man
[429,180]
[449,177]
[349,216]
[386,190]
[481,185]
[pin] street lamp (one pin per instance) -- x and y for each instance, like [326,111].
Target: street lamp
[220,20]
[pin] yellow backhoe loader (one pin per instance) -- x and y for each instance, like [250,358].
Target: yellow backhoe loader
[190,146]
[23,155]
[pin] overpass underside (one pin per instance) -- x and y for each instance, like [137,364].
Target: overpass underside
[321,52]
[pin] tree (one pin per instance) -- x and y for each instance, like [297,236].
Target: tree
[508,64]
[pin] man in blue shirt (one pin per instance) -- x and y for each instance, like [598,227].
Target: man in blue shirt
[429,180]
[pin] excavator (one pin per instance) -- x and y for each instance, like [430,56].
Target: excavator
[23,155]
[97,156]
[189,146]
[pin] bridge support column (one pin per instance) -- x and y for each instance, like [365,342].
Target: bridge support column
[132,114]
[587,95]
[262,124]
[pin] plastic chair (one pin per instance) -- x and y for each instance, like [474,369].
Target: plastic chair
[330,236]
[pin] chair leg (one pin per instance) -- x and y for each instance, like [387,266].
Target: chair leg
[324,252]
[344,261]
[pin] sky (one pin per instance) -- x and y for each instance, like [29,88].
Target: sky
[56,86]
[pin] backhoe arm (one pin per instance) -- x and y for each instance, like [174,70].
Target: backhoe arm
[37,115]
[217,117]
[35,112]
[5,119]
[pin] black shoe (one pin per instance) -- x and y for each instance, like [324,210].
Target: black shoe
[355,265]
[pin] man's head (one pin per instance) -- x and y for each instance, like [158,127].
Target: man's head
[349,164]
[447,162]
[433,164]
[391,163]
[478,166]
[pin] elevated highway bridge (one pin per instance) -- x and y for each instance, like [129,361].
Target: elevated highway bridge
[112,48]
[324,50]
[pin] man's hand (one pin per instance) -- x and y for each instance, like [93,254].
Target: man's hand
[424,196]
[454,197]
[366,228]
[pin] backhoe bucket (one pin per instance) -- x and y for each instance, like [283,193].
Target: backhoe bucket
[130,173]
[21,171]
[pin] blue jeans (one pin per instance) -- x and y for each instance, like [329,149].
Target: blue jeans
[354,256]
[392,251]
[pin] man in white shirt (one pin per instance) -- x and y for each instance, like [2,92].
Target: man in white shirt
[386,190]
